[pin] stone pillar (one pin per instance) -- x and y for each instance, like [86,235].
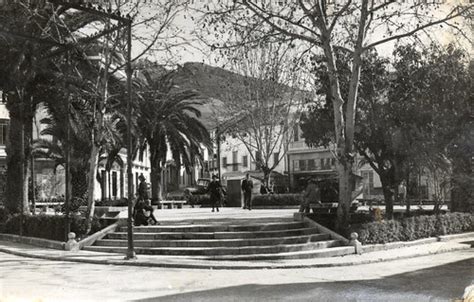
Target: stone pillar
[71,244]
[356,243]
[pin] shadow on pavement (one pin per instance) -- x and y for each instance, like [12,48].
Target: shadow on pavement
[441,283]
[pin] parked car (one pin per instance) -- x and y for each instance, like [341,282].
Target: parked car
[200,187]
[199,192]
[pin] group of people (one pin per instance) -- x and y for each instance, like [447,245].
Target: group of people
[143,211]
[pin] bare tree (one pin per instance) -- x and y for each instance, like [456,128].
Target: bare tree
[353,26]
[265,103]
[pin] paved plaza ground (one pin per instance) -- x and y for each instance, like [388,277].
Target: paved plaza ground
[438,271]
[441,277]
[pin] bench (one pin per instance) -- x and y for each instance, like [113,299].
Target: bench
[171,204]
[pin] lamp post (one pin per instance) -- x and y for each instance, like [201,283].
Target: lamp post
[130,248]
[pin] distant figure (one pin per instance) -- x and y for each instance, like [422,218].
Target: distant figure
[143,189]
[271,189]
[215,191]
[247,186]
[402,192]
[311,194]
[263,188]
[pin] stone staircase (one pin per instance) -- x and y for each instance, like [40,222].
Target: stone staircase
[244,239]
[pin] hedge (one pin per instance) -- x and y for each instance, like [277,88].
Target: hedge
[277,200]
[122,202]
[49,226]
[413,228]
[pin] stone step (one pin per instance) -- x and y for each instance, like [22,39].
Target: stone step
[319,253]
[217,242]
[217,228]
[214,235]
[211,251]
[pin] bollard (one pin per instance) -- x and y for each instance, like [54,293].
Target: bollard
[298,216]
[71,244]
[356,243]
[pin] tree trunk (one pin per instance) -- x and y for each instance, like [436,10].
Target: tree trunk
[94,161]
[17,165]
[155,179]
[388,197]
[79,183]
[345,190]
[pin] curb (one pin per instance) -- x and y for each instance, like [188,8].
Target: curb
[210,265]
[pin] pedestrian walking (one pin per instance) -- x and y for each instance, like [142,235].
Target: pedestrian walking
[215,191]
[311,194]
[247,186]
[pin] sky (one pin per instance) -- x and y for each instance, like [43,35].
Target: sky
[198,52]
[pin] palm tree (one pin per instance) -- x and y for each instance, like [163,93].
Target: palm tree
[169,122]
[28,52]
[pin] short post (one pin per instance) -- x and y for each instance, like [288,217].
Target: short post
[356,243]
[299,216]
[71,244]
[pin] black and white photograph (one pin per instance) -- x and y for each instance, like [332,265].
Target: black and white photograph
[236,150]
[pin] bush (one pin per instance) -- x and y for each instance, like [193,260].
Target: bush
[414,228]
[74,205]
[123,202]
[50,226]
[277,200]
[3,214]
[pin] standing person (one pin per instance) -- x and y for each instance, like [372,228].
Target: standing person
[215,191]
[402,192]
[247,186]
[263,188]
[143,189]
[311,194]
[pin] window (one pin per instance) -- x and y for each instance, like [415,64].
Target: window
[302,164]
[296,165]
[276,157]
[114,183]
[311,165]
[245,161]
[224,161]
[333,162]
[234,157]
[258,160]
[136,182]
[328,163]
[235,161]
[296,134]
[321,163]
[368,181]
[3,132]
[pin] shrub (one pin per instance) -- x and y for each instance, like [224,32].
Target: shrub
[413,228]
[75,204]
[50,226]
[122,202]
[277,200]
[3,214]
